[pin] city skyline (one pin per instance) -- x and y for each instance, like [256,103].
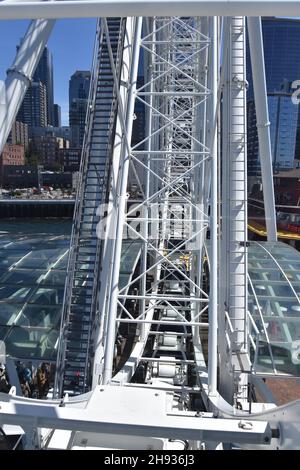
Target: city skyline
[68,32]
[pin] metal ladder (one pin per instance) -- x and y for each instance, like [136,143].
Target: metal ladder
[73,361]
[238,302]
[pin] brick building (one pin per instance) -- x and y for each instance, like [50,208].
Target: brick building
[13,154]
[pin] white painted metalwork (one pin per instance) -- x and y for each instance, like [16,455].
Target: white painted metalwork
[20,74]
[135,419]
[233,260]
[121,206]
[172,46]
[263,123]
[149,344]
[115,8]
[213,293]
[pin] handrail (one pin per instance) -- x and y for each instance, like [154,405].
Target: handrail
[74,233]
[263,324]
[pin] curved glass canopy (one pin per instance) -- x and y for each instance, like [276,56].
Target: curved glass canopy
[32,277]
[274,304]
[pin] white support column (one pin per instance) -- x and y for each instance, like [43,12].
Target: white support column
[116,8]
[263,123]
[113,302]
[225,382]
[237,288]
[20,74]
[145,224]
[109,221]
[234,212]
[202,176]
[213,293]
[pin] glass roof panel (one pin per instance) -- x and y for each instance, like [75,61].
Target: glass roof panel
[54,278]
[11,294]
[275,282]
[8,313]
[32,279]
[274,304]
[48,296]
[30,343]
[31,292]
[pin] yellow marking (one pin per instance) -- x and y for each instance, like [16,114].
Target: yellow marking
[261,230]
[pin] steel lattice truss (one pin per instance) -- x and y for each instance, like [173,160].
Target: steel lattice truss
[165,221]
[171,220]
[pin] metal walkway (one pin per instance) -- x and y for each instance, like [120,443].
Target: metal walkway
[82,282]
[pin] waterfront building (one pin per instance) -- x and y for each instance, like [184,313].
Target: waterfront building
[46,148]
[57,179]
[13,154]
[70,158]
[20,176]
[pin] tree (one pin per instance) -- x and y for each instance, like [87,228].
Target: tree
[31,158]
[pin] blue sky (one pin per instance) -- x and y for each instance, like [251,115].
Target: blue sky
[71,44]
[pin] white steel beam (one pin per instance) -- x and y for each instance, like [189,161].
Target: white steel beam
[213,293]
[122,200]
[233,261]
[103,8]
[130,411]
[109,220]
[19,75]
[263,123]
[172,152]
[237,181]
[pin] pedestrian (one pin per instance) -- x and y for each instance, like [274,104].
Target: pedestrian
[43,381]
[4,385]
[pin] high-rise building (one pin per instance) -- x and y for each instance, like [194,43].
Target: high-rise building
[281,49]
[79,85]
[33,111]
[63,131]
[77,112]
[57,116]
[44,74]
[283,115]
[78,98]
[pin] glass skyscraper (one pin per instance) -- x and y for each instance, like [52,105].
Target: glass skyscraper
[33,110]
[44,74]
[37,108]
[79,86]
[282,60]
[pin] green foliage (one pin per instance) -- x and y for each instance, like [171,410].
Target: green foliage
[31,158]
